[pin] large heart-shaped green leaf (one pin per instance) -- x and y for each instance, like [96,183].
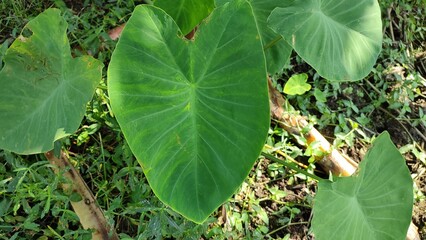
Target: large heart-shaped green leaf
[277,51]
[375,204]
[194,112]
[341,39]
[187,13]
[43,91]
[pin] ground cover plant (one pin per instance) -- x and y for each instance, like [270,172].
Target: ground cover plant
[161,221]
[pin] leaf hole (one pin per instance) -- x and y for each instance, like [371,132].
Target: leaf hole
[27,33]
[190,35]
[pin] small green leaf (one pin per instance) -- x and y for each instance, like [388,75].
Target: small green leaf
[4,206]
[75,197]
[44,91]
[374,204]
[297,85]
[320,96]
[57,146]
[28,225]
[187,13]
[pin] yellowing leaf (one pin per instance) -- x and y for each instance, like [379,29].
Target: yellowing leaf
[297,85]
[44,91]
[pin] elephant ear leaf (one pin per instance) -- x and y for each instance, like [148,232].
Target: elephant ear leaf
[277,51]
[44,91]
[341,39]
[378,200]
[194,112]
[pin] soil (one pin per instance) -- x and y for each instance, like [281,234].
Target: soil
[76,6]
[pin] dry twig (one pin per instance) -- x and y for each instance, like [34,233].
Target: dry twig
[87,209]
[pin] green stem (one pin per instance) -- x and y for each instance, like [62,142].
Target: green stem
[290,165]
[287,225]
[272,43]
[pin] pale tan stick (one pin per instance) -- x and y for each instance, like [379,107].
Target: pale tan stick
[333,161]
[91,216]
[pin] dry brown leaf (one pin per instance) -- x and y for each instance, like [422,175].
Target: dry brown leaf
[115,33]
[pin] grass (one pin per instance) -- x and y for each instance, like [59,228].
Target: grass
[273,202]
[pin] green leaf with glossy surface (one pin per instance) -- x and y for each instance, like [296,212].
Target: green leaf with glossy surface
[341,39]
[44,91]
[277,51]
[187,13]
[375,203]
[194,112]
[297,85]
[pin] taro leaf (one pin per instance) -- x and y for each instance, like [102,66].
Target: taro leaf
[297,85]
[277,51]
[195,113]
[187,13]
[374,204]
[341,39]
[44,91]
